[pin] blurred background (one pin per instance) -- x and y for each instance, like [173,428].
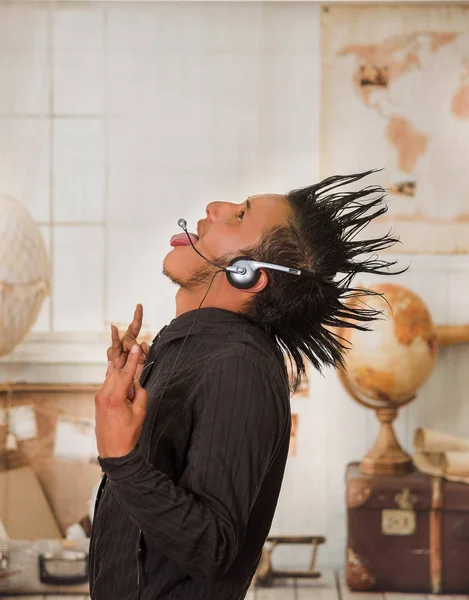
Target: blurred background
[116,119]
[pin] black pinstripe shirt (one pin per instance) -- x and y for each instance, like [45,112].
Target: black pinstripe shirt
[186,513]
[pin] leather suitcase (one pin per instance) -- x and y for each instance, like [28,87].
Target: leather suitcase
[406,533]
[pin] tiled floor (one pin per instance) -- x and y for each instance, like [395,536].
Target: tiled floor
[324,588]
[329,587]
[319,589]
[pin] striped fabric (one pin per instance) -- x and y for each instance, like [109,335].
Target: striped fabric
[186,513]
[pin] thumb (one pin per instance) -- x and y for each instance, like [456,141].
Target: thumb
[139,371]
[141,397]
[130,368]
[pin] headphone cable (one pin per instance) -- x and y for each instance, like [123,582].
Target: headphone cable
[158,407]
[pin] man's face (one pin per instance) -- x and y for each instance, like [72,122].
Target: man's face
[227,229]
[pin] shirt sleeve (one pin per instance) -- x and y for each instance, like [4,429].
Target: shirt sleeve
[200,522]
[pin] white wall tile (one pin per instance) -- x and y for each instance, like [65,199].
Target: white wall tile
[78,34]
[79,170]
[25,164]
[131,83]
[157,198]
[290,28]
[219,27]
[79,86]
[289,122]
[228,26]
[233,101]
[182,26]
[135,142]
[135,275]
[288,80]
[23,27]
[185,120]
[76,27]
[42,323]
[78,281]
[24,82]
[143,27]
[139,196]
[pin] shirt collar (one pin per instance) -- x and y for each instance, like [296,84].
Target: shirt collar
[206,318]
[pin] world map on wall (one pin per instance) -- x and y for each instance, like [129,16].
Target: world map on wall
[396,96]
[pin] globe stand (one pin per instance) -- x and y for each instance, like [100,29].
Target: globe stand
[386,457]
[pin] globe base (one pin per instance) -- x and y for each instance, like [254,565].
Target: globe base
[386,457]
[373,466]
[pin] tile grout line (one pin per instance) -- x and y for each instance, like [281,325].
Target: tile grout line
[51,164]
[51,116]
[71,223]
[105,267]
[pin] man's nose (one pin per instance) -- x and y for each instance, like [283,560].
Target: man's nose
[217,210]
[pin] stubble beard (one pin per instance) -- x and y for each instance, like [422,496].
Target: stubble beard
[200,279]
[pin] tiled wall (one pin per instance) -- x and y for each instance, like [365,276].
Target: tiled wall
[116,119]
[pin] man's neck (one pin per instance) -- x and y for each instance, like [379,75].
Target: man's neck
[190,300]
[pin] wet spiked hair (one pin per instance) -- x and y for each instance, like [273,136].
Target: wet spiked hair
[303,313]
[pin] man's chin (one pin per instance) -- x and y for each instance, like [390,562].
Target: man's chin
[173,278]
[168,272]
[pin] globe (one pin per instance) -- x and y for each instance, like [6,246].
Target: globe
[385,367]
[24,273]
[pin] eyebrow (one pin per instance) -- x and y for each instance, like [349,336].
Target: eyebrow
[248,205]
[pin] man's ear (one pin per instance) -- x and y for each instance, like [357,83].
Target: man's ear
[261,283]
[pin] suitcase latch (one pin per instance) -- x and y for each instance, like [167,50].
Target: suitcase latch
[405,500]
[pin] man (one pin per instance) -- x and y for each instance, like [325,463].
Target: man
[193,444]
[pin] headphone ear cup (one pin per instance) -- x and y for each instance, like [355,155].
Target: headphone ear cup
[246,280]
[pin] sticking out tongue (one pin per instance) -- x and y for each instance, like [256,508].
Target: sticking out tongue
[181,239]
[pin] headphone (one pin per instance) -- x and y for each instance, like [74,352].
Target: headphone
[242,272]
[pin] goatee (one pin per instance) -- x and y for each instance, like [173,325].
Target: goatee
[197,280]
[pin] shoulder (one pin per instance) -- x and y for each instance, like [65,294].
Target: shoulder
[247,341]
[237,377]
[248,356]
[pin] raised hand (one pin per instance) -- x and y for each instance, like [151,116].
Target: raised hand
[120,347]
[119,420]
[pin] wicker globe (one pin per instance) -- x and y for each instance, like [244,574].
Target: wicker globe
[24,273]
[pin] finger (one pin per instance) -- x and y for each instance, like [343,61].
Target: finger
[127,342]
[110,368]
[131,392]
[120,362]
[105,389]
[143,352]
[116,343]
[139,371]
[141,398]
[128,372]
[136,325]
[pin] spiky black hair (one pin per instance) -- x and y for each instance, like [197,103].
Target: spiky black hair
[304,313]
